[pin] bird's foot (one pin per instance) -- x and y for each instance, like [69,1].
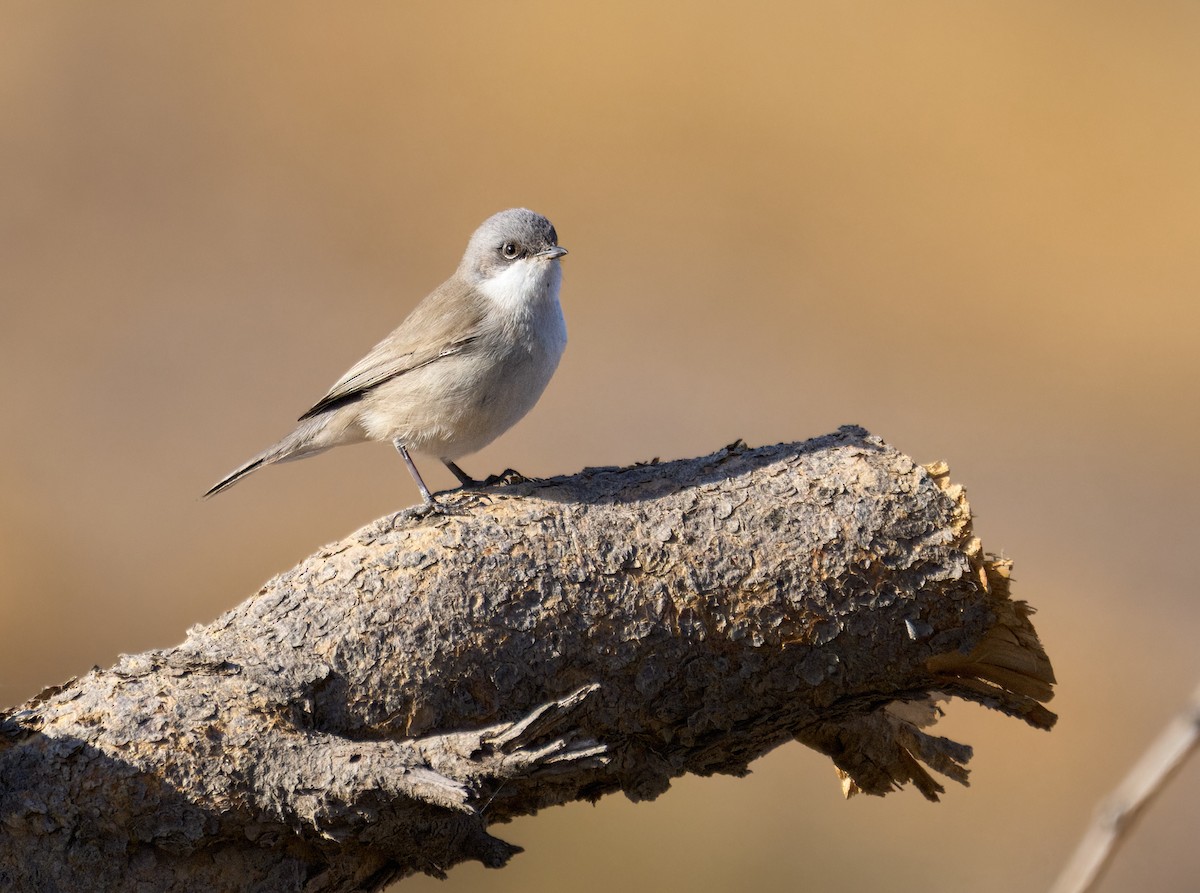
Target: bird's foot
[508,476]
[430,508]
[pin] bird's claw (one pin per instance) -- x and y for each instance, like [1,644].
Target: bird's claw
[508,476]
[427,510]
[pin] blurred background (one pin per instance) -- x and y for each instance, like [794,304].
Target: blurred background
[971,228]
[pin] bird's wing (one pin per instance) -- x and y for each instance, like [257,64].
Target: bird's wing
[446,323]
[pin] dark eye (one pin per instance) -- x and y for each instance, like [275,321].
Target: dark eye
[510,250]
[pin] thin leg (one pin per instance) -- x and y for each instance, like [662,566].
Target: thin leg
[412,469]
[463,478]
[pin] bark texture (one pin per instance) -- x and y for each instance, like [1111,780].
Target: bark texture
[371,712]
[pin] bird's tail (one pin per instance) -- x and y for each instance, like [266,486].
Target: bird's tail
[306,440]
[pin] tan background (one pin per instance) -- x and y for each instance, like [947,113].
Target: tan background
[972,228]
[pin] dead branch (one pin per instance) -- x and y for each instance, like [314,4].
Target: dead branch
[1117,815]
[371,712]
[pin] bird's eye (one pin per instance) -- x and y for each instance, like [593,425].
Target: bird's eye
[510,250]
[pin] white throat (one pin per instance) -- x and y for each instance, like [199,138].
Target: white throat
[526,296]
[522,285]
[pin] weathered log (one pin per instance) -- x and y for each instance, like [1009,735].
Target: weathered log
[371,712]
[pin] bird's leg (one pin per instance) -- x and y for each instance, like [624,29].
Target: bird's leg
[412,469]
[463,478]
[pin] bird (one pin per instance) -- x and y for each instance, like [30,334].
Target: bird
[469,361]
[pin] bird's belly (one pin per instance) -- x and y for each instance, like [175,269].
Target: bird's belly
[458,405]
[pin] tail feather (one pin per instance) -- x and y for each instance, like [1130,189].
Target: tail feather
[305,441]
[233,477]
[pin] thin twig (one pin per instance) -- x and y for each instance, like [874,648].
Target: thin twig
[1120,811]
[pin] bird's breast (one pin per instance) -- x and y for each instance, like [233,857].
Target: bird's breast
[462,402]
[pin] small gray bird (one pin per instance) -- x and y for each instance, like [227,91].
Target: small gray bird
[469,361]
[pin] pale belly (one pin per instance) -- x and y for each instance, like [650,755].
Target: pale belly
[460,404]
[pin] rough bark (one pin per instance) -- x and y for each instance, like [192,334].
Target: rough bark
[371,712]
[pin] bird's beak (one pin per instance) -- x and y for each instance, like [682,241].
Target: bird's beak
[556,251]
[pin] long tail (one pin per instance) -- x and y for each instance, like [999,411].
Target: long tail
[305,441]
